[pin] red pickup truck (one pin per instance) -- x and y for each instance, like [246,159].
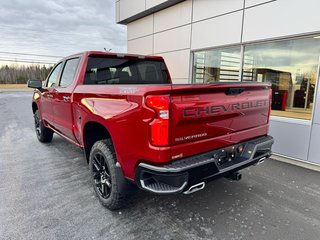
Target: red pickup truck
[139,129]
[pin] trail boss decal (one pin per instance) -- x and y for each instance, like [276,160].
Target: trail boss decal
[213,110]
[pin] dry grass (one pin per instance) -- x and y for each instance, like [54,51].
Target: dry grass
[13,86]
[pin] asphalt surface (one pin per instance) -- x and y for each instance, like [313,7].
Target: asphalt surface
[45,193]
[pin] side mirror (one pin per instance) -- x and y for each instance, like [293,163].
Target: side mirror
[35,84]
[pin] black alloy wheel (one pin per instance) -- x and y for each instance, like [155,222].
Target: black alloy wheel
[112,189]
[37,125]
[44,134]
[101,175]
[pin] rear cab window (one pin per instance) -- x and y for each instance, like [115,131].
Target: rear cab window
[113,70]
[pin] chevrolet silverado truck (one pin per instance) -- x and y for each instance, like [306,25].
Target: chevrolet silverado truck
[138,129]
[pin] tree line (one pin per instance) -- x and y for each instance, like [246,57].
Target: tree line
[20,74]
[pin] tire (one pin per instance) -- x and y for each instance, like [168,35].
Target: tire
[44,134]
[108,182]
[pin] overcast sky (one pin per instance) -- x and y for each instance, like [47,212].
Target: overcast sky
[57,27]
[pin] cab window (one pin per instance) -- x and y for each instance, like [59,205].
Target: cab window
[52,81]
[69,72]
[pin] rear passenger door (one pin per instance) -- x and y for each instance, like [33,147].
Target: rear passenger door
[62,99]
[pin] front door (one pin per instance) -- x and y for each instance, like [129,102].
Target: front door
[47,95]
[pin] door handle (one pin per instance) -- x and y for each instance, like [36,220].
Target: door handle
[66,98]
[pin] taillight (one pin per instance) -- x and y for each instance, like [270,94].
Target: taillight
[159,127]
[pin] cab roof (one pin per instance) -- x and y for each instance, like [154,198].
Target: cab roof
[112,54]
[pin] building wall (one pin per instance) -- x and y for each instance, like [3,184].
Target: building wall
[166,33]
[130,10]
[191,25]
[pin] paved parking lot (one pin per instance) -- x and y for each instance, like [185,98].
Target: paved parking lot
[45,193]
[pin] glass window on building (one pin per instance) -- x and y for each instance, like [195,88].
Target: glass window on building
[291,67]
[217,65]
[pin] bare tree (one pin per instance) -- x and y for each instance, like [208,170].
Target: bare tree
[14,74]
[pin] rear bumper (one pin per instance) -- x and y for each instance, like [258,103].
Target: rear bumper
[180,175]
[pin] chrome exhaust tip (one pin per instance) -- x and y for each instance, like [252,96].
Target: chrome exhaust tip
[261,160]
[195,188]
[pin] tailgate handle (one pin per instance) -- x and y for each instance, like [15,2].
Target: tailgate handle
[234,91]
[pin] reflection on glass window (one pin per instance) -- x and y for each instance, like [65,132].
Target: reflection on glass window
[217,65]
[291,67]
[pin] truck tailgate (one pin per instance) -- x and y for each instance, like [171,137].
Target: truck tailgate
[207,111]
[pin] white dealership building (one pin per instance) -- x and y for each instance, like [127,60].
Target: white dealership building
[207,41]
